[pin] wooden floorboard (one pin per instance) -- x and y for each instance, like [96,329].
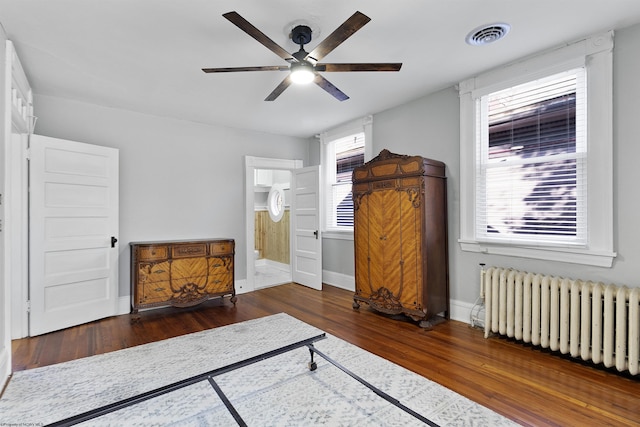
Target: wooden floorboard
[528,385]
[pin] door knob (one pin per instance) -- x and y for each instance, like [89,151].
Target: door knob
[315,233]
[113,241]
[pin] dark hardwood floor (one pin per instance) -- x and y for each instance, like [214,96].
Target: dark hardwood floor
[523,383]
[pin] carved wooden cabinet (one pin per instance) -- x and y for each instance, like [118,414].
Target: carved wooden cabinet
[181,273]
[400,236]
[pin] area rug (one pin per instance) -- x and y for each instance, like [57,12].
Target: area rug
[279,391]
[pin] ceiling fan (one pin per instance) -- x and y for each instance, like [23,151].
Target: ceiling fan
[305,67]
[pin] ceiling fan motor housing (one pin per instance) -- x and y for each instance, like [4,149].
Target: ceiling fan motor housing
[301,34]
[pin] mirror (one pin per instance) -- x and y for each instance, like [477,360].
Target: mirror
[275,202]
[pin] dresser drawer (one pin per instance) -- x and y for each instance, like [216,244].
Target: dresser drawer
[222,247]
[220,283]
[189,250]
[154,293]
[153,253]
[153,272]
[219,265]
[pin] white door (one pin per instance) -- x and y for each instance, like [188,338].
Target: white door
[305,218]
[73,222]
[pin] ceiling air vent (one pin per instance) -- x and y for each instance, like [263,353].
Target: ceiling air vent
[487,34]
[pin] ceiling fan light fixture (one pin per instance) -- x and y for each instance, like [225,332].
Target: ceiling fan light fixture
[302,73]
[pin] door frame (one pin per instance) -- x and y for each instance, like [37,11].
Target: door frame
[251,164]
[18,125]
[18,201]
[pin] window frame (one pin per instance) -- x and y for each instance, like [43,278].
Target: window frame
[595,54]
[327,138]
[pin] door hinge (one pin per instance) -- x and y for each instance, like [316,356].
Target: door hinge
[28,306]
[27,153]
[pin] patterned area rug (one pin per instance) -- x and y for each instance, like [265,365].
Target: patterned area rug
[280,391]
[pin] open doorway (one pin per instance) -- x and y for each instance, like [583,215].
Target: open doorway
[267,184]
[272,225]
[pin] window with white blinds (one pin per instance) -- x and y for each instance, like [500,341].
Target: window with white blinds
[531,183]
[536,156]
[347,153]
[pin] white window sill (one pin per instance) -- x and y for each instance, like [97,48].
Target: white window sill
[576,256]
[337,234]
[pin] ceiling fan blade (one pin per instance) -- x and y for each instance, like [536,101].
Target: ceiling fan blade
[343,32]
[233,69]
[248,28]
[329,87]
[279,89]
[359,67]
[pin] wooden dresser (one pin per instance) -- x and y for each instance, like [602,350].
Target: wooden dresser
[400,236]
[181,273]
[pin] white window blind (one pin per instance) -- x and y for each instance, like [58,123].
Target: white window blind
[531,154]
[348,153]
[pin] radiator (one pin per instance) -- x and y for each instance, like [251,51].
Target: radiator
[591,321]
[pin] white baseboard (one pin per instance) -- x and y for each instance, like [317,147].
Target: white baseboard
[339,280]
[124,305]
[242,287]
[460,311]
[274,264]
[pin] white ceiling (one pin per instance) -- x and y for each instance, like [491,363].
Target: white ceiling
[147,55]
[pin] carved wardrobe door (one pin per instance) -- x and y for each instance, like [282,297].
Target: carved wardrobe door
[409,252]
[362,215]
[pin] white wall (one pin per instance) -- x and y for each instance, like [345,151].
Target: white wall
[429,127]
[178,179]
[160,157]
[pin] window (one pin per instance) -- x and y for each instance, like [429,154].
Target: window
[531,184]
[348,154]
[343,150]
[536,156]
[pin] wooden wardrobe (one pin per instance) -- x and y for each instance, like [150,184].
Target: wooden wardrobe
[400,236]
